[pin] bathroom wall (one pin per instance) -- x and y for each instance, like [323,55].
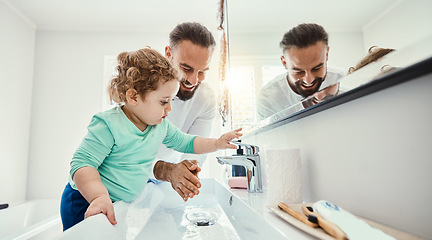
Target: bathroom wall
[404,23]
[371,156]
[52,83]
[16,79]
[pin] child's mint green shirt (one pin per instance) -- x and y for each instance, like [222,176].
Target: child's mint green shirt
[123,154]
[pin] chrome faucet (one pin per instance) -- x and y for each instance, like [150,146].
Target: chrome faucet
[250,160]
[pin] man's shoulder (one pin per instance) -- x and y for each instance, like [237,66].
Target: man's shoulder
[204,96]
[275,85]
[334,74]
[205,92]
[336,71]
[203,101]
[276,80]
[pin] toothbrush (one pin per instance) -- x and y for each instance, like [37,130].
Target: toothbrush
[310,220]
[328,226]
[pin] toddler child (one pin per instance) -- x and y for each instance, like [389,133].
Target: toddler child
[114,160]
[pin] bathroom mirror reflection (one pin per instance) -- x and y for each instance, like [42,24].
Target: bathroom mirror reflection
[352,27]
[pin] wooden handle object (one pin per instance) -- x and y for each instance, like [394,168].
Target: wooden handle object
[296,215]
[330,228]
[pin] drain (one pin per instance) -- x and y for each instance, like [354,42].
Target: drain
[202,223]
[200,217]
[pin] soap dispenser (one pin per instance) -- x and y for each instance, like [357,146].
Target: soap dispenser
[238,171]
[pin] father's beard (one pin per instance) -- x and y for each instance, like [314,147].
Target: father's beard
[307,92]
[185,95]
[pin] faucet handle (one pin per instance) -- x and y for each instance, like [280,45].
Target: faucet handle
[250,149]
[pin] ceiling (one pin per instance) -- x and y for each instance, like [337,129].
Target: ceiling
[161,15]
[333,15]
[114,15]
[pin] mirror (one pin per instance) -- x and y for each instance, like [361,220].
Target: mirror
[255,29]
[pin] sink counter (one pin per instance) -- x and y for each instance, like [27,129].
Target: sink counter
[216,213]
[260,204]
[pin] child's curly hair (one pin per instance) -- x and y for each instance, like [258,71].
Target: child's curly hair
[142,70]
[374,54]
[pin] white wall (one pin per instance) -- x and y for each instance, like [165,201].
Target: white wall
[16,78]
[68,83]
[405,22]
[346,49]
[371,156]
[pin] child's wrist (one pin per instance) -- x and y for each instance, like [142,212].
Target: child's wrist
[217,145]
[101,196]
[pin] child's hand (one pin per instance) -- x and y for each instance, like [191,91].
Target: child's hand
[224,141]
[101,204]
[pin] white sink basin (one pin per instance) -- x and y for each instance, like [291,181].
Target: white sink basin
[159,213]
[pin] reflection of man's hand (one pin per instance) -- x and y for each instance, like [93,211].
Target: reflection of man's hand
[183,177]
[307,102]
[321,95]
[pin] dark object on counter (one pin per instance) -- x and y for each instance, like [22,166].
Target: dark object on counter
[203,223]
[238,171]
[329,227]
[3,206]
[309,220]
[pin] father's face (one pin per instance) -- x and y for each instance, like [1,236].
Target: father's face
[307,68]
[192,62]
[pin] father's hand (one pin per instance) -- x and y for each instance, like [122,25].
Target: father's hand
[183,176]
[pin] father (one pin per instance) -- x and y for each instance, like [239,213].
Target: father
[190,50]
[304,54]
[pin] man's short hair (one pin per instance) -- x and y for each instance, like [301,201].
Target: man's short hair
[303,35]
[194,32]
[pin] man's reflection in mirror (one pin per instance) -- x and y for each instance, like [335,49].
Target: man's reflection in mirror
[305,52]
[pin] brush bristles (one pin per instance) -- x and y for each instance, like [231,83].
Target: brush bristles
[312,218]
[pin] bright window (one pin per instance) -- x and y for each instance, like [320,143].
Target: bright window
[241,84]
[244,83]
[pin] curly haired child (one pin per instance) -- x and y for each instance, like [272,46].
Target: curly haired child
[114,160]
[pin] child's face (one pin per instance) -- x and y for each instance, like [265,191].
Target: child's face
[157,104]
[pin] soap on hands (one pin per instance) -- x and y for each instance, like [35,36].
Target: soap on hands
[238,182]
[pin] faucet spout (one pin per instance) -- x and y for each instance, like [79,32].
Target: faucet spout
[236,160]
[251,161]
